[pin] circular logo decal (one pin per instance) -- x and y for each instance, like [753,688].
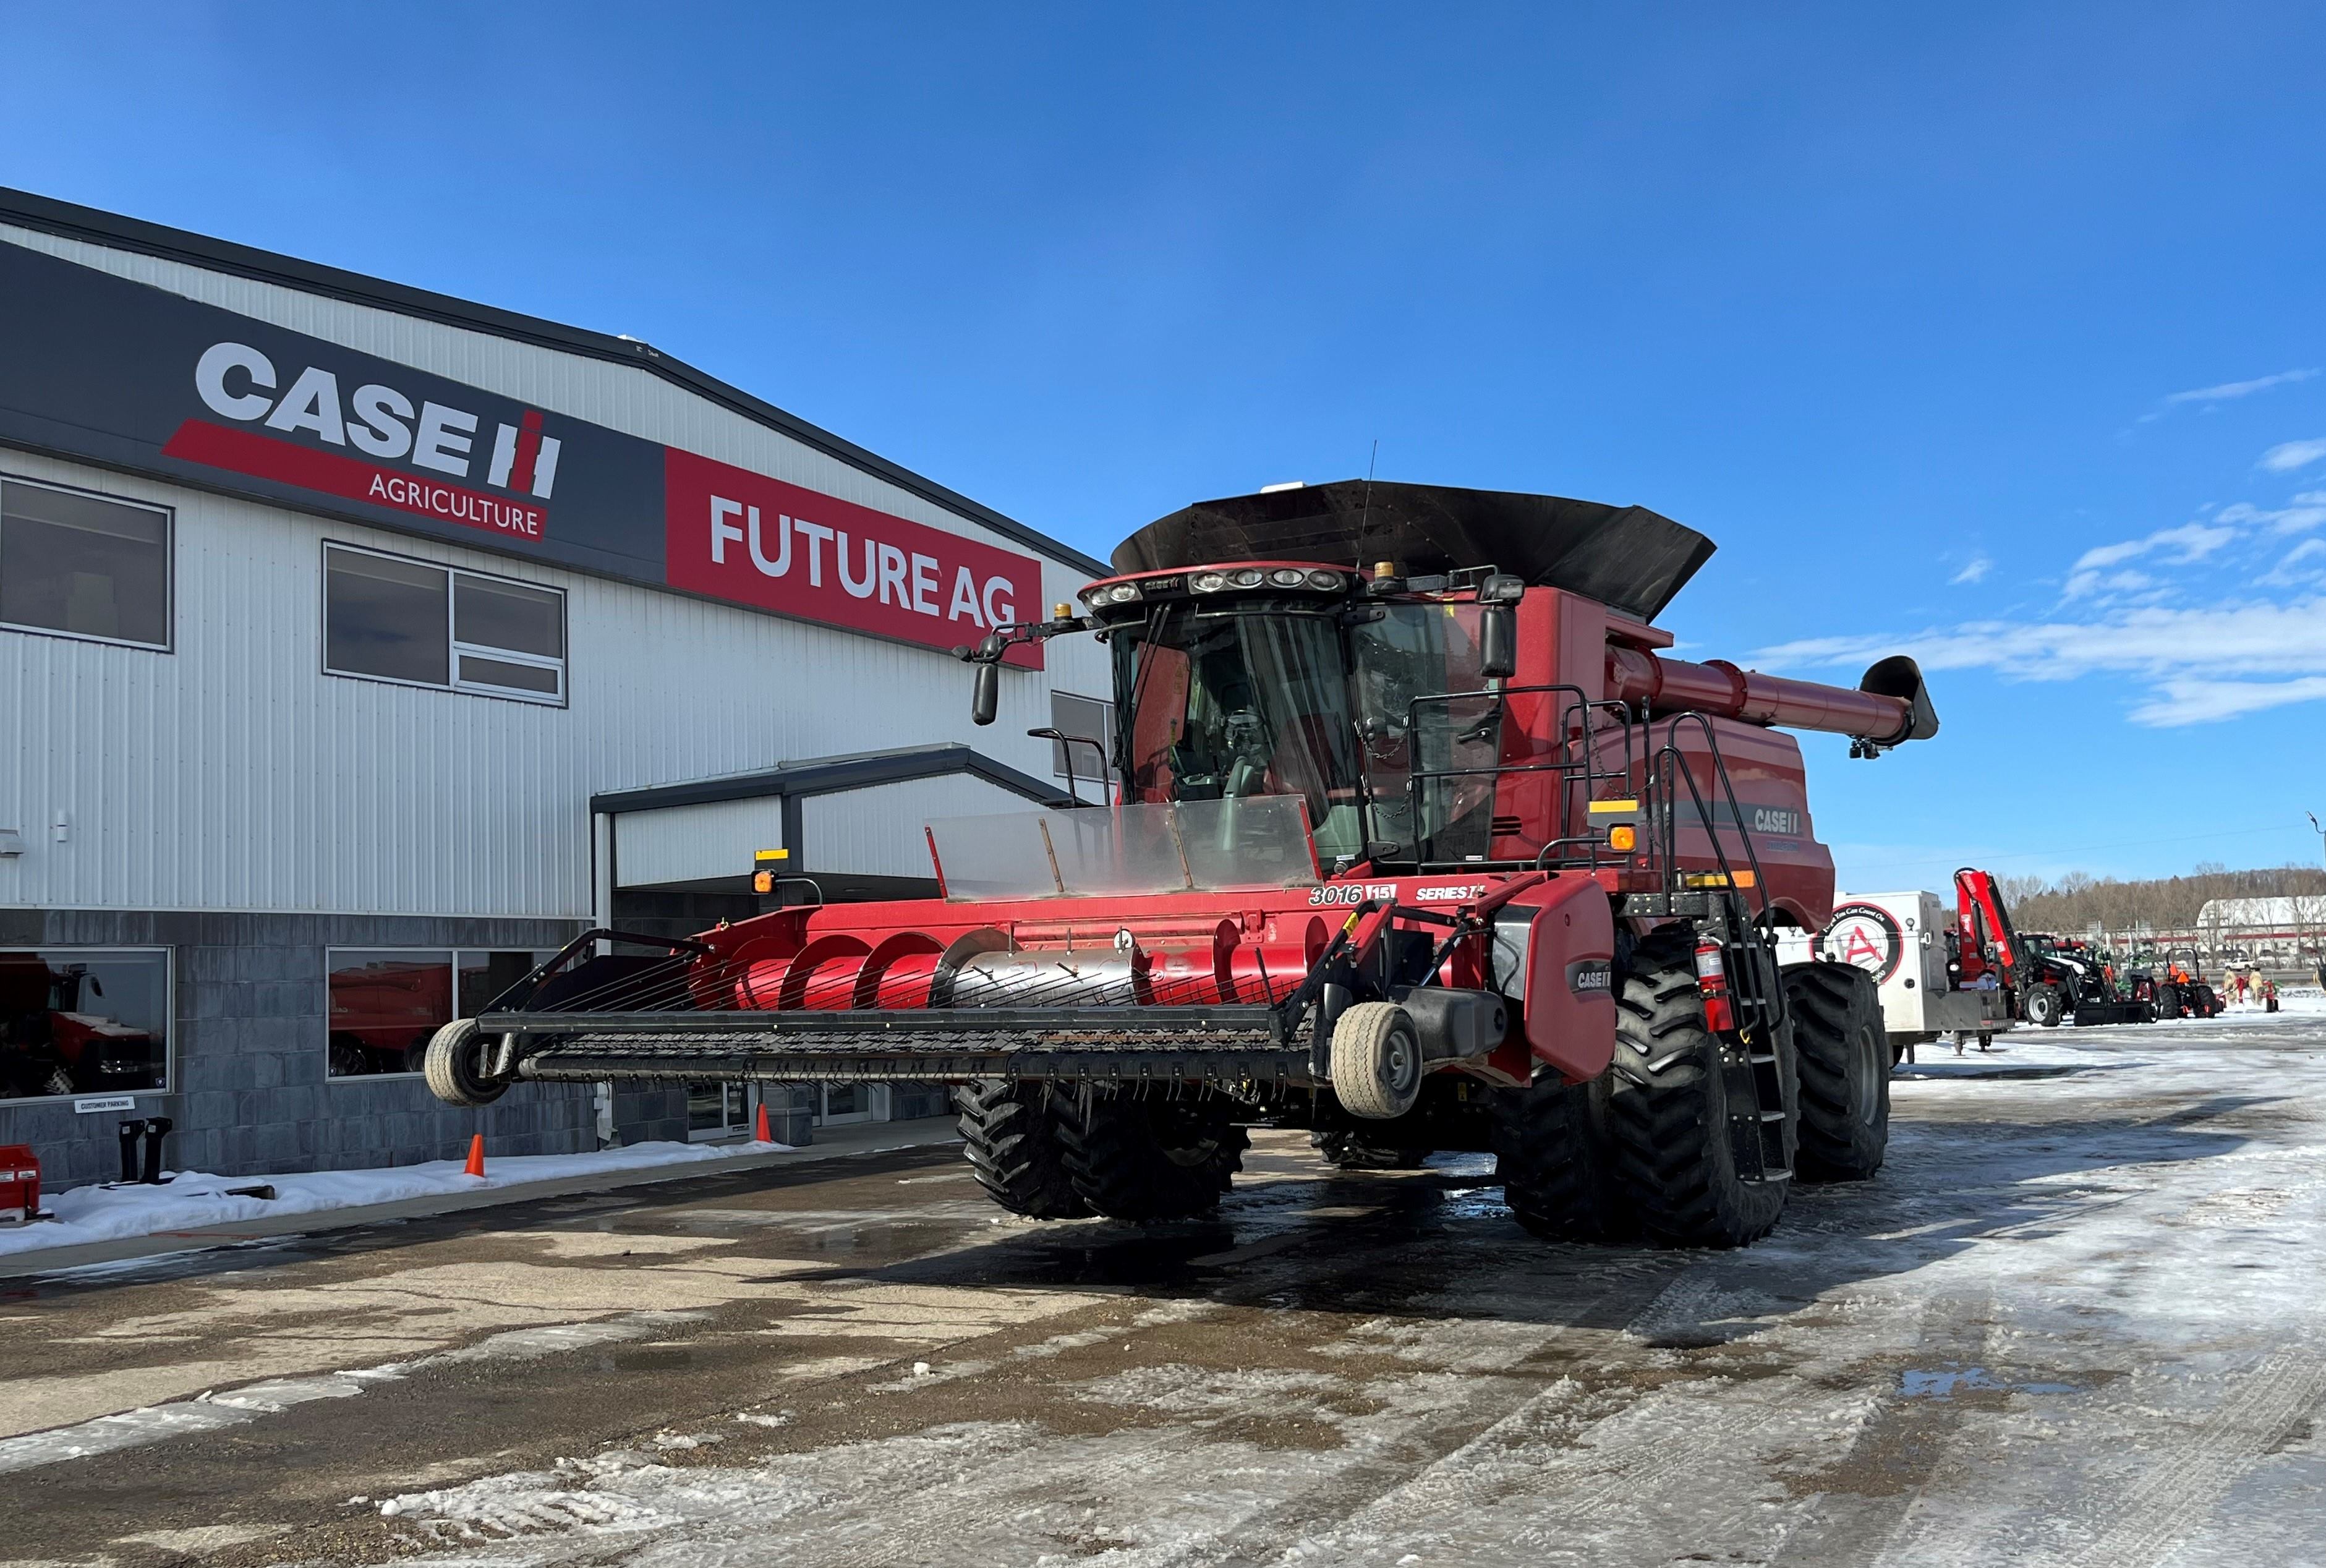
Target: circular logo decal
[1867,935]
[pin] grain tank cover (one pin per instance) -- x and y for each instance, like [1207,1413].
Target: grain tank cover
[1625,556]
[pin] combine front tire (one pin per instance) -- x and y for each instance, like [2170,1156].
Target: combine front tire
[1352,1151]
[1556,1162]
[1012,1142]
[2042,1005]
[454,1065]
[1844,1059]
[1149,1159]
[1668,1109]
[1376,1061]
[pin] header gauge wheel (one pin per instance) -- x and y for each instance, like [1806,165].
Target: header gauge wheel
[454,1065]
[1376,1061]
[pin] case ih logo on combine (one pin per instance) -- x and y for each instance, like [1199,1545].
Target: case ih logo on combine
[238,383]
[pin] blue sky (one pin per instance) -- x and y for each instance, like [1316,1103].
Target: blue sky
[1988,333]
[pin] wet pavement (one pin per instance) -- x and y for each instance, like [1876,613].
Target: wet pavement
[2078,1320]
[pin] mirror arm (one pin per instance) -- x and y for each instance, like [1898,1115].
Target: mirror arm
[985,694]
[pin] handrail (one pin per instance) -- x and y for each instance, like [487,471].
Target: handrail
[1736,809]
[1573,768]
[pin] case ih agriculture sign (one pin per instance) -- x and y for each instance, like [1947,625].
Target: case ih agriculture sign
[134,378]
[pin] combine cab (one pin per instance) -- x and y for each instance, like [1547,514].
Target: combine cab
[1444,854]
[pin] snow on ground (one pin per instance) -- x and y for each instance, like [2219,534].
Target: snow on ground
[2077,1322]
[194,1200]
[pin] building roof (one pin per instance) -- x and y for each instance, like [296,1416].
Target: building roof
[71,220]
[2307,909]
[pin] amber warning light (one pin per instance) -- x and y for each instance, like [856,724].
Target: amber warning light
[765,866]
[1622,820]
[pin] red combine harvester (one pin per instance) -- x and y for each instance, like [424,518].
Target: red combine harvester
[1443,855]
[52,1042]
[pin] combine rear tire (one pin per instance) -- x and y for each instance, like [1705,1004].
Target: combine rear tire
[1355,1152]
[1376,1061]
[1845,1058]
[1557,1164]
[2042,1005]
[1012,1143]
[454,1065]
[1149,1159]
[1668,1109]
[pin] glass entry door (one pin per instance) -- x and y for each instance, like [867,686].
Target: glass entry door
[841,1102]
[716,1112]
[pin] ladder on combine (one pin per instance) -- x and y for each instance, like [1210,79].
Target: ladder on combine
[1608,753]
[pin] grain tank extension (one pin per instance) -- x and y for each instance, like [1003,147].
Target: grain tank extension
[1411,834]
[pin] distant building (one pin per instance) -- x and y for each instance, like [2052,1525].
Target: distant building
[2273,931]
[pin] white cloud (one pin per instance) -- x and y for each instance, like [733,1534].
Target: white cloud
[2205,664]
[2287,456]
[2211,701]
[1976,572]
[2308,511]
[2290,571]
[2190,542]
[2084,584]
[2230,389]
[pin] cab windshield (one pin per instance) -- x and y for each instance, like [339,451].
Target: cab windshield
[1264,698]
[1248,700]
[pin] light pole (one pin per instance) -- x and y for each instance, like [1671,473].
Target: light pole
[2321,963]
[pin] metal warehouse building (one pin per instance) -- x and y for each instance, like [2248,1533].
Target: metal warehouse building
[361,645]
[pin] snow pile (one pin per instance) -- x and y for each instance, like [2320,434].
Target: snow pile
[194,1200]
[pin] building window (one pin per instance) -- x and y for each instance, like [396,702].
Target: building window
[385,1003]
[1091,723]
[386,618]
[83,566]
[83,1021]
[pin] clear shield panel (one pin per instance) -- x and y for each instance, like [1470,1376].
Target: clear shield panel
[1257,841]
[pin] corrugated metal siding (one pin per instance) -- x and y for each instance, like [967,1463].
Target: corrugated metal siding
[879,831]
[233,774]
[694,844]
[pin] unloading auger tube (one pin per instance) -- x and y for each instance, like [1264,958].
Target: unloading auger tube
[1414,840]
[1890,707]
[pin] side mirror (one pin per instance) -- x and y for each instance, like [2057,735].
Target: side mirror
[1498,641]
[985,695]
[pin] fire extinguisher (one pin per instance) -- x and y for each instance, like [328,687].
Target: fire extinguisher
[1712,985]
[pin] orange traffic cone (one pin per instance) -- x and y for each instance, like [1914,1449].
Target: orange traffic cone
[476,1154]
[760,1131]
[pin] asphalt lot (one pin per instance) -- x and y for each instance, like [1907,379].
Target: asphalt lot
[2079,1319]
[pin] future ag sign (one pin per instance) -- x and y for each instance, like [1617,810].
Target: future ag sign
[134,378]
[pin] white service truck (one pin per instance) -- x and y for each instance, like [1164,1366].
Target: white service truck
[1902,940]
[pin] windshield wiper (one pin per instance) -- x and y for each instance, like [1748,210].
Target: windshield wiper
[1129,718]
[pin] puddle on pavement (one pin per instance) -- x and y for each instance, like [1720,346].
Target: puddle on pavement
[1473,1203]
[1947,1382]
